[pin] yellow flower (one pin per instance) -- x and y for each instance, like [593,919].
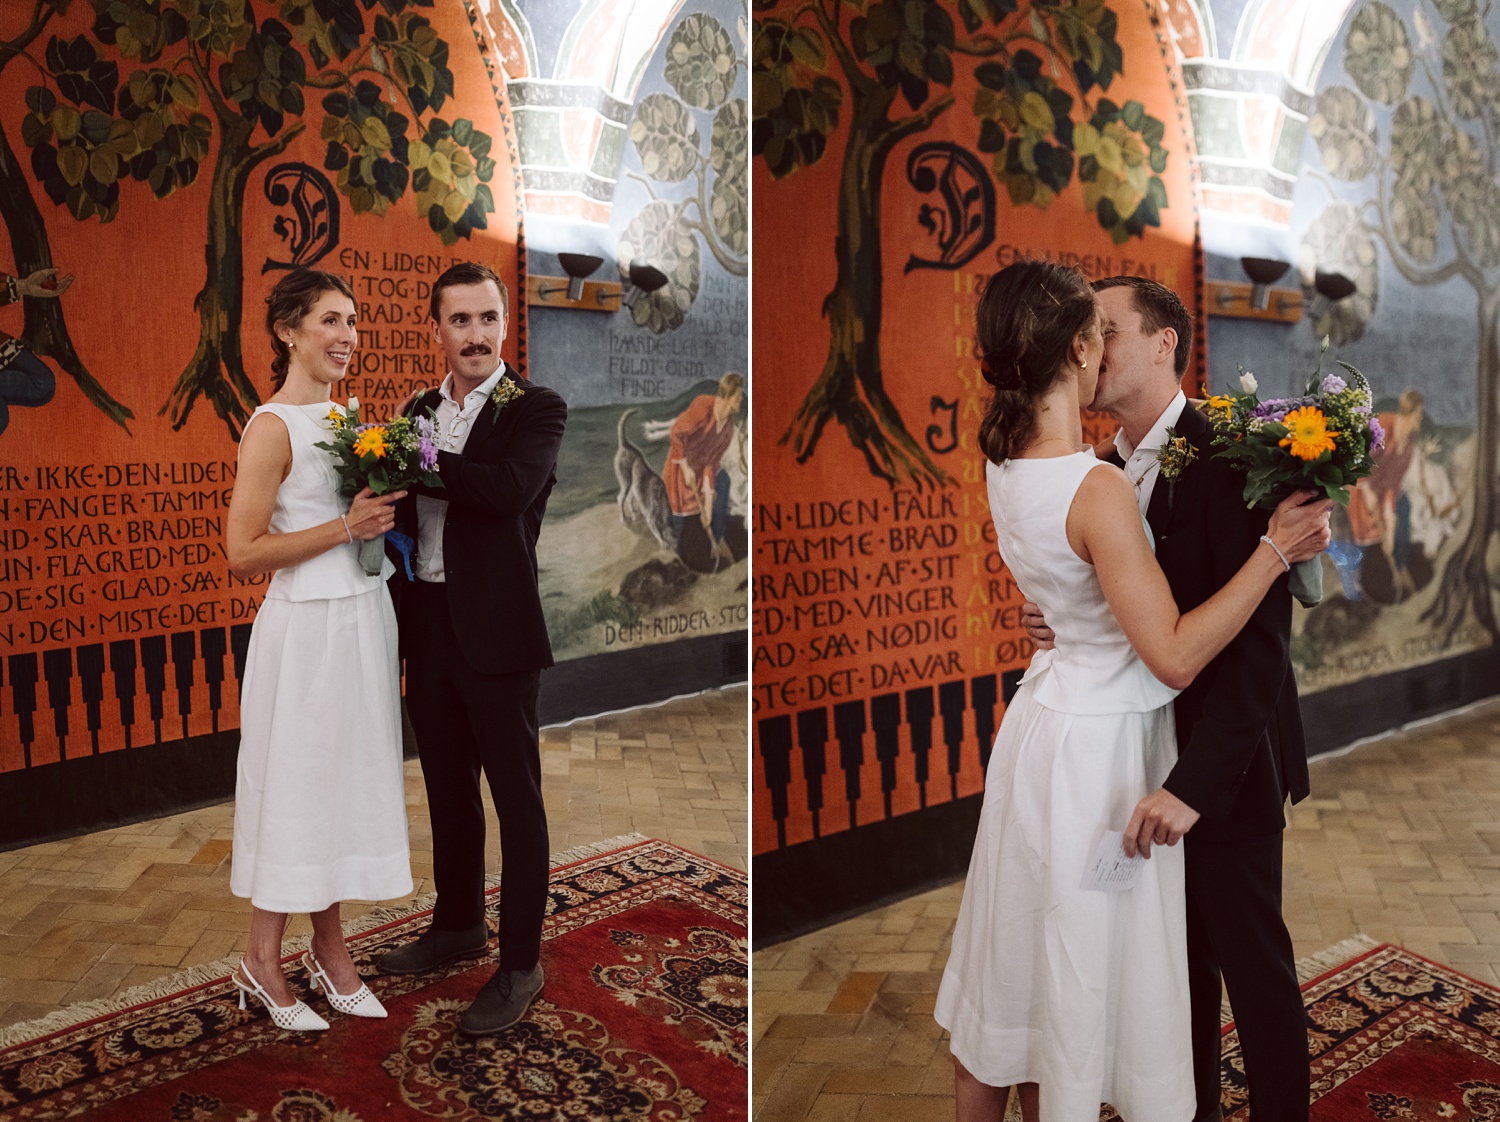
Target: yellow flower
[1307,435]
[371,440]
[336,417]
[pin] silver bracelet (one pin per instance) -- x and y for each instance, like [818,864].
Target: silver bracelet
[1285,564]
[350,532]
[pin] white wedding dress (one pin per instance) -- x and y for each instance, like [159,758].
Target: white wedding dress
[320,802]
[1083,992]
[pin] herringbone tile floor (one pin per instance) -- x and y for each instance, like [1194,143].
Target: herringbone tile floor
[1400,841]
[90,916]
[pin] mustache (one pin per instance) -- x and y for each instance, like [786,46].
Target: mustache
[474,349]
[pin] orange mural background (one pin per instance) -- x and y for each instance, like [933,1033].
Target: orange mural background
[865,590]
[112,537]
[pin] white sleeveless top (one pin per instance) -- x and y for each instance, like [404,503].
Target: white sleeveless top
[309,496]
[1093,669]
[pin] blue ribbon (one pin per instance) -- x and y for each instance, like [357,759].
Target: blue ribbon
[404,546]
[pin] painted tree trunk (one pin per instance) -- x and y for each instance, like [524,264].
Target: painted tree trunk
[851,387]
[1465,588]
[217,368]
[45,330]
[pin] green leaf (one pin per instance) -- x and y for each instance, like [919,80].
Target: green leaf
[1344,128]
[1378,54]
[73,164]
[807,48]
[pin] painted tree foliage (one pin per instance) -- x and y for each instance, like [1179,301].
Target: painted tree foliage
[159,89]
[702,66]
[1434,210]
[45,329]
[1040,114]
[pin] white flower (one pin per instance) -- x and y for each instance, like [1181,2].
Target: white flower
[1248,382]
[353,404]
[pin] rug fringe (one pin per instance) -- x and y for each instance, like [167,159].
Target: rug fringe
[1314,964]
[211,972]
[77,1014]
[1310,966]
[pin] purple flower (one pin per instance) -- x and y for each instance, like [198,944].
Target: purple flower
[425,428]
[1278,407]
[1377,435]
[1334,384]
[428,452]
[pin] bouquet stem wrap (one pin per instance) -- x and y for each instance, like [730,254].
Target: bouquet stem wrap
[1306,581]
[372,556]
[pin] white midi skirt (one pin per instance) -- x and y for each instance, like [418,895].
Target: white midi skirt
[1080,991]
[320,804]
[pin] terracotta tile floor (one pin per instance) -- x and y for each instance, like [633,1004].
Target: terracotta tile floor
[90,916]
[1400,841]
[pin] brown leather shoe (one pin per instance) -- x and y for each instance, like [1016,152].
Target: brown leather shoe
[433,948]
[503,1001]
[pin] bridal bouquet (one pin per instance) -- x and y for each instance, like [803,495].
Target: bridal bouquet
[384,457]
[1324,440]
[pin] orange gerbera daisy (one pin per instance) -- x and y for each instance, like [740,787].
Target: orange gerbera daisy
[371,440]
[1307,433]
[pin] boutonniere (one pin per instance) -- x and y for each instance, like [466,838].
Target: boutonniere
[1174,456]
[505,392]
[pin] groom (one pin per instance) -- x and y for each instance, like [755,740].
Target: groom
[475,644]
[1239,729]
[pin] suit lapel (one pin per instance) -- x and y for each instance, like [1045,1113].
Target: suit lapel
[490,416]
[483,424]
[1159,509]
[1167,499]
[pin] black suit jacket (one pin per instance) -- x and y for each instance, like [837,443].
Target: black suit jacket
[497,491]
[1239,728]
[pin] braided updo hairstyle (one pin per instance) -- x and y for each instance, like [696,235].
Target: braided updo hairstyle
[1029,315]
[291,299]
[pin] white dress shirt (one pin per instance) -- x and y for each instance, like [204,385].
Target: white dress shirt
[454,422]
[1141,466]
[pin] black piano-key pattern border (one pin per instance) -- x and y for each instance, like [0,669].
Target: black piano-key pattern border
[843,740]
[126,681]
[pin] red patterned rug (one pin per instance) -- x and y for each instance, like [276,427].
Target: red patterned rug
[1393,1036]
[644,1016]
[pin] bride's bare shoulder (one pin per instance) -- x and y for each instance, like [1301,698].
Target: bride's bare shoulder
[1104,488]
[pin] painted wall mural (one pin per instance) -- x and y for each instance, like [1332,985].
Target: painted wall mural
[646,540]
[903,150]
[161,164]
[1398,192]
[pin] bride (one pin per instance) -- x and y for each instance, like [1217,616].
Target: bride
[1080,996]
[320,802]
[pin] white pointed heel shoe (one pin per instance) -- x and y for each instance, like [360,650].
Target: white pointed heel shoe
[360,1003]
[296,1017]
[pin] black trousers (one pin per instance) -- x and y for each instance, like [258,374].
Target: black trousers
[467,722]
[1236,935]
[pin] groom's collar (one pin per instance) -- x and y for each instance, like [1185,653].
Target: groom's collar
[1156,436]
[477,394]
